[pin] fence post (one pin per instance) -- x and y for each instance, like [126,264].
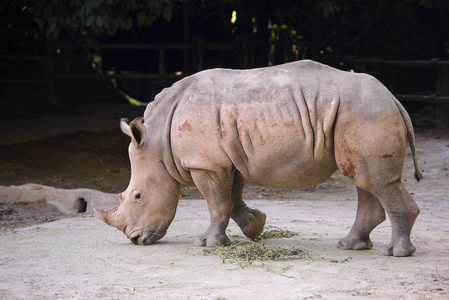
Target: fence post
[197,52]
[442,109]
[185,37]
[243,53]
[161,61]
[51,50]
[67,58]
[316,35]
[252,54]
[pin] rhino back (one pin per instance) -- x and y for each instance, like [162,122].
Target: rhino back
[274,125]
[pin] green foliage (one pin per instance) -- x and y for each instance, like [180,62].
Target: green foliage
[92,17]
[405,28]
[327,7]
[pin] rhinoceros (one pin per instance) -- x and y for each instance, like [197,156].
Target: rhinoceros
[288,126]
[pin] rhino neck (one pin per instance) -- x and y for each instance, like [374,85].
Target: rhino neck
[179,174]
[165,104]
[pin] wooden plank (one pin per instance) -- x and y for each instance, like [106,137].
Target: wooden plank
[23,80]
[401,63]
[137,46]
[442,109]
[119,76]
[423,98]
[23,57]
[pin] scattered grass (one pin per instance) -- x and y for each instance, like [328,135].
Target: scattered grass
[437,277]
[245,253]
[337,261]
[275,233]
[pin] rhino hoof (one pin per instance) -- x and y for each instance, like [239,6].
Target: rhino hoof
[251,222]
[256,222]
[355,243]
[212,241]
[398,249]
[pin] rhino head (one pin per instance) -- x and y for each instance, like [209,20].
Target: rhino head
[148,205]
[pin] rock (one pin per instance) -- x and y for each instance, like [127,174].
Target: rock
[66,200]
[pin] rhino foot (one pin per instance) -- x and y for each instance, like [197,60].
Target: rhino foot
[399,248]
[212,240]
[355,242]
[251,221]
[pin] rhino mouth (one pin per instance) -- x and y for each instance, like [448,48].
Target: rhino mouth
[139,237]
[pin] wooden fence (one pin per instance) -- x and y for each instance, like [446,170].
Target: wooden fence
[439,97]
[193,60]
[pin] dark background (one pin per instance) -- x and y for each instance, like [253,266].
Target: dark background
[324,30]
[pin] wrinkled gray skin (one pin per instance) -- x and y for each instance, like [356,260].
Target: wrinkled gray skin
[288,126]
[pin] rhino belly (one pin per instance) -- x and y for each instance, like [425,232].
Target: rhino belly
[289,172]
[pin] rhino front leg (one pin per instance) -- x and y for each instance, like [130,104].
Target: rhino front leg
[216,188]
[370,213]
[251,221]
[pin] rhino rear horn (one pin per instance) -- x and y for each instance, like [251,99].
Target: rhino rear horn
[138,132]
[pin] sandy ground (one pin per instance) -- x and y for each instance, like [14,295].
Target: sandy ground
[81,258]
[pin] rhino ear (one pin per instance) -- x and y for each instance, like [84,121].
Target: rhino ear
[138,132]
[125,127]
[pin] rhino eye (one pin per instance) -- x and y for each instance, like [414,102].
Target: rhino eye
[138,198]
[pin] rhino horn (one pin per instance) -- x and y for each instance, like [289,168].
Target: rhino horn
[105,215]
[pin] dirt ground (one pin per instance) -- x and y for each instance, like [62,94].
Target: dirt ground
[45,254]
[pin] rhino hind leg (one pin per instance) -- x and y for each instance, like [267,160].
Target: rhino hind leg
[370,213]
[370,153]
[400,207]
[216,188]
[403,211]
[251,221]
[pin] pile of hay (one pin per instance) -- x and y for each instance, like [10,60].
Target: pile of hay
[245,253]
[275,233]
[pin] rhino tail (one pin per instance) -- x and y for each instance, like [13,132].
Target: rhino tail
[410,136]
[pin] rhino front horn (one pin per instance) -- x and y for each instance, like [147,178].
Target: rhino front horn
[105,215]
